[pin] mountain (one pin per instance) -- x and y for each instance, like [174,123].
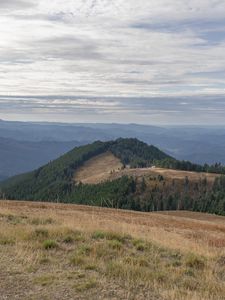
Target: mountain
[56,178]
[23,156]
[124,173]
[2,177]
[197,144]
[31,131]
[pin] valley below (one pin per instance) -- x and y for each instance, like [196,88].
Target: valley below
[66,251]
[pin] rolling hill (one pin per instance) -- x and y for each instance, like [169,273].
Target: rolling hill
[125,173]
[57,176]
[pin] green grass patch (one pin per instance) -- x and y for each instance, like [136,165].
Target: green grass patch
[115,244]
[140,245]
[98,235]
[110,236]
[50,244]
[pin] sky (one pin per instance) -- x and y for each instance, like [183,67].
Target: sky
[124,61]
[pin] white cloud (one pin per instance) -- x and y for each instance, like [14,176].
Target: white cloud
[112,48]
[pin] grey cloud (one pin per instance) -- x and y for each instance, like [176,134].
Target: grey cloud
[121,48]
[16,4]
[60,17]
[68,47]
[58,48]
[211,32]
[193,110]
[15,56]
[170,104]
[159,82]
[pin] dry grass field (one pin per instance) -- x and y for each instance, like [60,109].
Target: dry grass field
[166,173]
[98,169]
[107,167]
[58,251]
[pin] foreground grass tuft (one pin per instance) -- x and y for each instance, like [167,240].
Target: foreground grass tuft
[86,285]
[50,244]
[193,261]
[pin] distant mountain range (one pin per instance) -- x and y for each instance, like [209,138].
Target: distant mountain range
[22,156]
[25,146]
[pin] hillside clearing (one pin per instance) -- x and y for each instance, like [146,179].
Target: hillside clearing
[98,169]
[106,167]
[58,251]
[167,173]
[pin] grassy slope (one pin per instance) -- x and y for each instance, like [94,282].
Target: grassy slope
[76,252]
[98,169]
[106,167]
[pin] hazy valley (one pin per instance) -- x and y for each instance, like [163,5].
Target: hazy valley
[26,146]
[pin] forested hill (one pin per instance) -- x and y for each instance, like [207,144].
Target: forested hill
[56,178]
[56,182]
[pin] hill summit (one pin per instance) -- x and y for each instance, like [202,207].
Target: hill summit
[56,179]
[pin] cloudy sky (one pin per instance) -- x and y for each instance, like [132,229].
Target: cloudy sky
[148,61]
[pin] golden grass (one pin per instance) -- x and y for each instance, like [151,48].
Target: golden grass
[166,173]
[106,167]
[98,169]
[57,251]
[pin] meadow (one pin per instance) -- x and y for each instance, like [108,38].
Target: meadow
[58,251]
